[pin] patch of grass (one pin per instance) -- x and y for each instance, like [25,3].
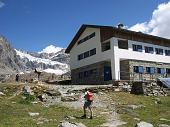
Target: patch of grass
[150,112]
[9,89]
[27,99]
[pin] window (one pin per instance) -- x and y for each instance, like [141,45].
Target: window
[86,73]
[160,70]
[86,38]
[123,44]
[80,56]
[168,70]
[92,71]
[86,54]
[167,52]
[91,35]
[149,49]
[150,70]
[137,48]
[81,75]
[93,52]
[135,69]
[159,51]
[138,69]
[105,46]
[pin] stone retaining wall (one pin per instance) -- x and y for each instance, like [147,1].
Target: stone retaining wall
[139,88]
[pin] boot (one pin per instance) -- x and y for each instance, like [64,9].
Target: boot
[84,116]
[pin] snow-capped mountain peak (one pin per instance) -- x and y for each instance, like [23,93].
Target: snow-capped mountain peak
[49,62]
[35,59]
[51,49]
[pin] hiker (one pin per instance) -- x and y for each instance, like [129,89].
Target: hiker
[17,77]
[88,102]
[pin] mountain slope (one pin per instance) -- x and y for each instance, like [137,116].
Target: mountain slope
[9,61]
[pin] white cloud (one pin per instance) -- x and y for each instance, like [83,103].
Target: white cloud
[2,4]
[159,24]
[142,27]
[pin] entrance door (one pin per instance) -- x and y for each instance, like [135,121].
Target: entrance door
[107,73]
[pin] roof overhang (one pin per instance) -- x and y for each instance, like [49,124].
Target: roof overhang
[118,32]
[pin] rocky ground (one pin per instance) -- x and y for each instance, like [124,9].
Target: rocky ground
[106,103]
[73,97]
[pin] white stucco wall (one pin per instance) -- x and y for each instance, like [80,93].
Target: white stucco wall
[130,54]
[86,46]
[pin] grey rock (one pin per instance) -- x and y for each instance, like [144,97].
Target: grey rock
[69,98]
[44,97]
[53,93]
[27,90]
[144,124]
[163,125]
[134,106]
[163,119]
[40,122]
[69,118]
[68,124]
[32,114]
[114,123]
[1,93]
[136,119]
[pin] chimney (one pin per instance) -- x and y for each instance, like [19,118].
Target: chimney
[120,26]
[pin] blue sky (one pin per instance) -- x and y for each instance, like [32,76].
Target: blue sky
[34,24]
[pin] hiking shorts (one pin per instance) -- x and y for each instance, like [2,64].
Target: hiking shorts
[87,104]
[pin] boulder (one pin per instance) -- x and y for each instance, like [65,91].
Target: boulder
[69,118]
[134,106]
[2,94]
[33,114]
[69,98]
[43,97]
[143,124]
[163,125]
[53,93]
[27,90]
[68,124]
[137,88]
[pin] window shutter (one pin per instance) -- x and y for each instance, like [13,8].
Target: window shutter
[152,70]
[141,69]
[162,71]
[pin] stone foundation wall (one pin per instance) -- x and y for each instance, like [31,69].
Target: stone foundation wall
[124,70]
[96,78]
[148,89]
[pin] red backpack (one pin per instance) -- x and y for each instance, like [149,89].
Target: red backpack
[89,96]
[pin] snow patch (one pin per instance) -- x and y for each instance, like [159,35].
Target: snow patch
[56,71]
[38,60]
[51,49]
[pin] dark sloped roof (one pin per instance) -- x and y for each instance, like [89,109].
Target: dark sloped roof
[115,30]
